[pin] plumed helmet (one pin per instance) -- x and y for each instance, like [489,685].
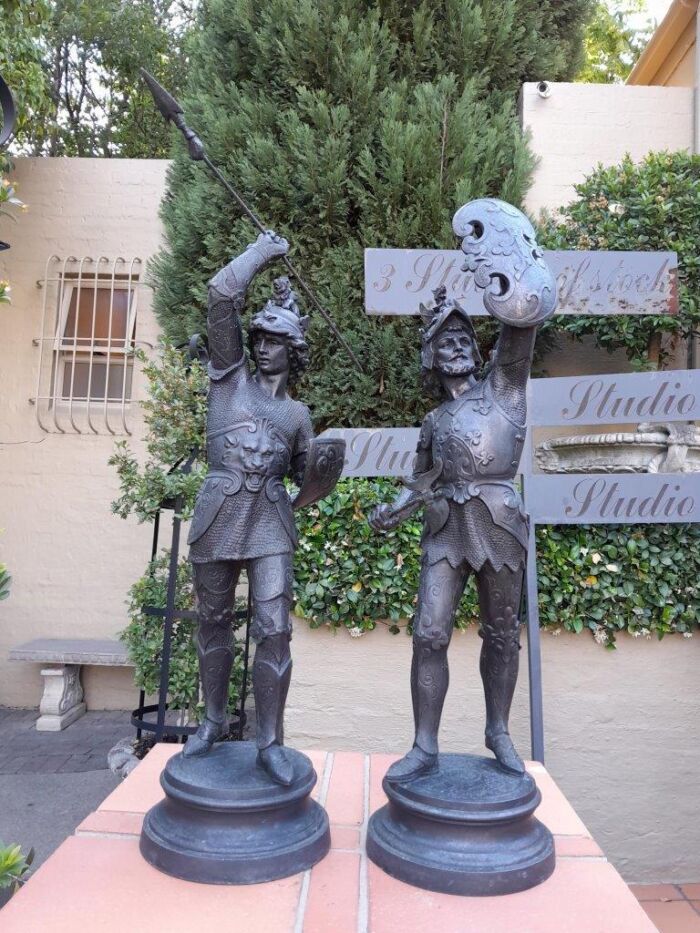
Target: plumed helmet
[445,311]
[281,316]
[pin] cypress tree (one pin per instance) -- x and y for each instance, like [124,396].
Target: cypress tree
[349,124]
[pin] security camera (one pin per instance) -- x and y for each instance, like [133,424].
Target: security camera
[544,89]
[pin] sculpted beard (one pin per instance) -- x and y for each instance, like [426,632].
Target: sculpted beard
[461,366]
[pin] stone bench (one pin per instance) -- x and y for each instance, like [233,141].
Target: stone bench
[62,700]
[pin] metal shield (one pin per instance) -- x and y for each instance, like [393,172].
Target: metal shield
[324,464]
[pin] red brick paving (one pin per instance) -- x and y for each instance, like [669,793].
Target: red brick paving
[673,908]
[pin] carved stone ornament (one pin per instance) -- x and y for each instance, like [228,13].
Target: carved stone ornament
[652,448]
[62,700]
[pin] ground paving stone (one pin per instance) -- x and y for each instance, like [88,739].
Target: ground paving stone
[83,746]
[50,781]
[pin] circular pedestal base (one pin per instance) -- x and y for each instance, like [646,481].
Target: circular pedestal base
[465,829]
[225,821]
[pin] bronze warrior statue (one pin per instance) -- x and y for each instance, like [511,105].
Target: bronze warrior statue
[256,436]
[468,454]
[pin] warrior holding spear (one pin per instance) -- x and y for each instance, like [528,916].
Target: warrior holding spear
[243,519]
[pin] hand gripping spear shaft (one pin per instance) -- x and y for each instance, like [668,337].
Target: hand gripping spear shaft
[172,111]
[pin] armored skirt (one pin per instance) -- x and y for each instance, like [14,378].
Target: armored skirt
[471,536]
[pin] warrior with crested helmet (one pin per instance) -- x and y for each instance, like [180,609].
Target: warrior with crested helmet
[468,454]
[256,436]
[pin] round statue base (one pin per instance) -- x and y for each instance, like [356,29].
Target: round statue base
[225,821]
[467,829]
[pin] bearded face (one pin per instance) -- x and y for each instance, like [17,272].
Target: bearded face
[454,352]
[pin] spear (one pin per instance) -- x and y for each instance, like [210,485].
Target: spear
[172,111]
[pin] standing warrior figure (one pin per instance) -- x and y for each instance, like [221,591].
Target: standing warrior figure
[256,436]
[468,454]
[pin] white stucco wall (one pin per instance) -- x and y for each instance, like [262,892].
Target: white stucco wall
[71,560]
[580,125]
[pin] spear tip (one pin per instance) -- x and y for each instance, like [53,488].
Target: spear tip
[165,102]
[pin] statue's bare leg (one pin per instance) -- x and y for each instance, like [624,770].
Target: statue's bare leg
[499,601]
[215,587]
[441,587]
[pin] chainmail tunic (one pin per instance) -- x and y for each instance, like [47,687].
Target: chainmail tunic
[253,522]
[470,536]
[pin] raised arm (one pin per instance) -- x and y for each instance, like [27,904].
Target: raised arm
[227,291]
[510,370]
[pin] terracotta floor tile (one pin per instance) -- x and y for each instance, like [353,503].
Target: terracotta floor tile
[673,916]
[104,885]
[577,847]
[379,765]
[334,889]
[111,822]
[581,897]
[346,792]
[318,760]
[555,811]
[656,892]
[142,790]
[691,891]
[345,837]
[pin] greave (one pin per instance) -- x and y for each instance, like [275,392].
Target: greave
[498,665]
[272,671]
[215,672]
[429,681]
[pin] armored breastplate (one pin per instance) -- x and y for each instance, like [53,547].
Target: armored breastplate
[475,439]
[253,450]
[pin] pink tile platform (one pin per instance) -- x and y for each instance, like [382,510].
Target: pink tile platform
[97,881]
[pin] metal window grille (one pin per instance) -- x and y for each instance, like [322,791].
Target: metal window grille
[86,346]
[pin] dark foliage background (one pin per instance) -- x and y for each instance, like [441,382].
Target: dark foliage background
[349,124]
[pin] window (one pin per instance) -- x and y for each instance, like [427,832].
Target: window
[86,364]
[94,358]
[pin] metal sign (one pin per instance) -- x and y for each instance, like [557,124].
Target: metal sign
[377,451]
[615,398]
[613,498]
[591,283]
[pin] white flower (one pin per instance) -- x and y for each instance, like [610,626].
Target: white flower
[615,208]
[356,632]
[636,634]
[600,635]
[687,634]
[596,558]
[612,568]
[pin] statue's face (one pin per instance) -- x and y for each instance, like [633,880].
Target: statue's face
[271,353]
[454,352]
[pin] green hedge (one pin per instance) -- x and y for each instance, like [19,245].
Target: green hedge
[606,579]
[642,579]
